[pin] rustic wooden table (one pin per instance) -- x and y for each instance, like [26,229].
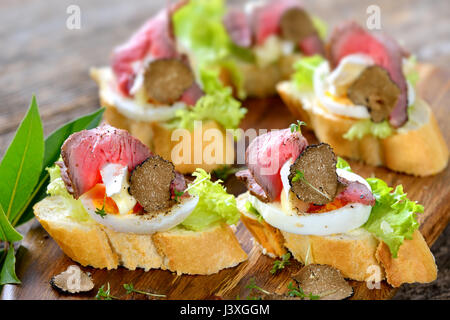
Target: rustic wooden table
[40,55]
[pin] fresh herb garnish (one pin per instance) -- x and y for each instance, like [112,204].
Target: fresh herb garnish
[299,175]
[280,264]
[105,294]
[101,212]
[252,286]
[178,194]
[297,126]
[130,289]
[224,172]
[24,177]
[298,292]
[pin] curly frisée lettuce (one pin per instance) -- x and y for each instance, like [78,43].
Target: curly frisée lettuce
[218,105]
[364,127]
[215,205]
[304,71]
[72,208]
[342,164]
[394,217]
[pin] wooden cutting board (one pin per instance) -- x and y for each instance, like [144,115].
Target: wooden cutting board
[39,257]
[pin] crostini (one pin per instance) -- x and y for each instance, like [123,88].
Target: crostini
[151,90]
[362,101]
[253,45]
[111,202]
[305,200]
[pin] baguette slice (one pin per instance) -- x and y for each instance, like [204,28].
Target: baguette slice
[357,254]
[162,140]
[177,250]
[418,149]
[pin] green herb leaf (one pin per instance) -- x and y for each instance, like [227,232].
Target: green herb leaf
[7,231]
[299,175]
[8,271]
[252,286]
[101,212]
[53,145]
[342,164]
[280,264]
[130,289]
[105,294]
[22,163]
[298,292]
[297,126]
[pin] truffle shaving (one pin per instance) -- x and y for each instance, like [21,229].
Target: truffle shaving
[150,184]
[296,25]
[313,176]
[375,89]
[323,281]
[166,80]
[73,280]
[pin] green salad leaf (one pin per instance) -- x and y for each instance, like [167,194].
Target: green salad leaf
[198,27]
[321,27]
[215,205]
[342,164]
[304,71]
[394,217]
[412,75]
[218,105]
[364,127]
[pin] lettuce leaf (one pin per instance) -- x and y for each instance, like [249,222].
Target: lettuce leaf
[342,164]
[394,217]
[215,205]
[380,130]
[56,187]
[218,105]
[304,71]
[411,74]
[321,27]
[199,27]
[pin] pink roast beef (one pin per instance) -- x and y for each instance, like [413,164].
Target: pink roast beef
[238,27]
[153,39]
[266,155]
[85,153]
[355,192]
[350,38]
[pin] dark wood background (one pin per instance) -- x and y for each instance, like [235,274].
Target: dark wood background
[39,55]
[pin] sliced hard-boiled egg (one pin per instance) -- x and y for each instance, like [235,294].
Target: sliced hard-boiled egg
[282,216]
[138,223]
[115,179]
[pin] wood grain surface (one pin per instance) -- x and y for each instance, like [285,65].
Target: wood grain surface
[41,56]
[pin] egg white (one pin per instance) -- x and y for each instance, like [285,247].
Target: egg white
[142,224]
[280,214]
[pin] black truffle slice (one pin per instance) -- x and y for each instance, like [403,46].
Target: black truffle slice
[165,80]
[323,281]
[313,176]
[150,184]
[375,90]
[73,280]
[296,25]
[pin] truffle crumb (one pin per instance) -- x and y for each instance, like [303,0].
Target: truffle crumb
[73,280]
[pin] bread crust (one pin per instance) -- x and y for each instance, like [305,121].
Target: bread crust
[158,137]
[420,151]
[357,254]
[415,262]
[180,251]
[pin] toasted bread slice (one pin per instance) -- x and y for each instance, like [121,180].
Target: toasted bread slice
[357,254]
[418,149]
[162,139]
[177,250]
